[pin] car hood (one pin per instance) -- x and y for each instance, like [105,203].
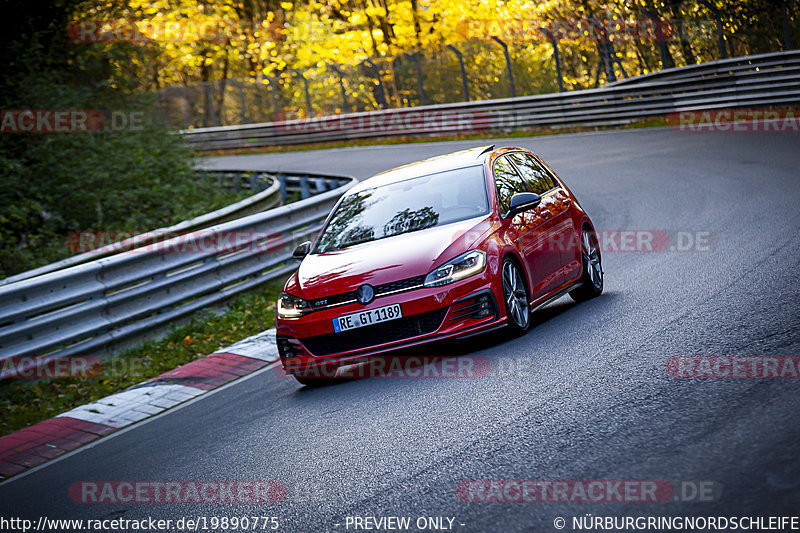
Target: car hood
[385,260]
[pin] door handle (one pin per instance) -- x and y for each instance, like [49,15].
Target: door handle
[567,202]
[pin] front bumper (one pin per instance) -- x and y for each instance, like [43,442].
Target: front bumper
[463,308]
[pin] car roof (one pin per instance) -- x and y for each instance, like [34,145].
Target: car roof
[463,158]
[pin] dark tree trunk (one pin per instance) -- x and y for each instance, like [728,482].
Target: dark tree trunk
[223,84]
[417,25]
[787,28]
[686,47]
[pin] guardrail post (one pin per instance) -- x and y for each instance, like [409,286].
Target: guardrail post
[464,84]
[282,181]
[345,105]
[511,88]
[319,184]
[304,190]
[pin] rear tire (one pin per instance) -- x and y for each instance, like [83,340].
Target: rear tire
[592,279]
[515,297]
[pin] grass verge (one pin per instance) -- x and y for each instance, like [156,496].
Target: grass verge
[27,402]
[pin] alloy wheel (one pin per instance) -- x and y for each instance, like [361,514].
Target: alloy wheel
[590,252]
[516,296]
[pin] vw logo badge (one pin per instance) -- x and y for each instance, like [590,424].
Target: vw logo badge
[365,294]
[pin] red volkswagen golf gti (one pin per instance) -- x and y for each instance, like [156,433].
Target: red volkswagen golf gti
[444,248]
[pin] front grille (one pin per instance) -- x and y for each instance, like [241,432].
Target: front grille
[335,299]
[380,290]
[393,330]
[403,284]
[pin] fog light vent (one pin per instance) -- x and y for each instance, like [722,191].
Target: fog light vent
[485,307]
[288,347]
[478,306]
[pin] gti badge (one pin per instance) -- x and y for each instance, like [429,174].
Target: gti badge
[365,294]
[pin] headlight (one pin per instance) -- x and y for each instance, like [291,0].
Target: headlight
[463,266]
[292,307]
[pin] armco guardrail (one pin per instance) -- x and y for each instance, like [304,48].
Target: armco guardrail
[267,197]
[89,308]
[272,189]
[754,81]
[719,68]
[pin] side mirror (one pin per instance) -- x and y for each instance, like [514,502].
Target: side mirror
[302,250]
[522,201]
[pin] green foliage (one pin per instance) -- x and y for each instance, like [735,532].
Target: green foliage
[135,179]
[132,178]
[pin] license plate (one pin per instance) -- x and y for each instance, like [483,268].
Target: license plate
[367,318]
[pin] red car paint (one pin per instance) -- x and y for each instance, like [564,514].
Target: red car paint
[545,241]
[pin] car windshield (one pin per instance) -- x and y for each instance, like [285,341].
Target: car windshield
[411,205]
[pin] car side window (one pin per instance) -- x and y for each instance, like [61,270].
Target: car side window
[537,177]
[508,182]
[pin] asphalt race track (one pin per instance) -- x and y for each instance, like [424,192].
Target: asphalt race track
[585,395]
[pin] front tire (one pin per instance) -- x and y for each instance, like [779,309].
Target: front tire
[592,279]
[515,296]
